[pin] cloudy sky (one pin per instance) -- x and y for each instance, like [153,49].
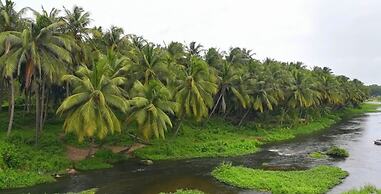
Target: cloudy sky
[344,35]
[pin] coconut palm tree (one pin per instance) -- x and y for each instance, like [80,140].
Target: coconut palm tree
[89,111]
[151,106]
[196,86]
[10,20]
[302,92]
[40,53]
[148,64]
[230,87]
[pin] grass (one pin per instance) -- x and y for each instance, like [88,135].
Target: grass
[337,152]
[89,191]
[316,180]
[22,163]
[218,138]
[368,189]
[185,191]
[317,155]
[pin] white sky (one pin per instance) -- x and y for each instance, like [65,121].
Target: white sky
[344,35]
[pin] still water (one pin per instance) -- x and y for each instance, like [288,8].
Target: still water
[356,135]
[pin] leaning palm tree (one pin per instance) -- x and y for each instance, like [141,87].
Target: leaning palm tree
[151,106]
[196,86]
[89,111]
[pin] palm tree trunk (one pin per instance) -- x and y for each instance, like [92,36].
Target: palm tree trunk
[67,89]
[37,93]
[11,105]
[178,126]
[1,96]
[215,106]
[244,116]
[42,104]
[46,109]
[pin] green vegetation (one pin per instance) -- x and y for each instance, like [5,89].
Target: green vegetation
[368,189]
[316,180]
[220,138]
[90,191]
[337,152]
[317,155]
[111,88]
[185,191]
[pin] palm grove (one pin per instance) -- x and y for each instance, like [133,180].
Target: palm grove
[101,81]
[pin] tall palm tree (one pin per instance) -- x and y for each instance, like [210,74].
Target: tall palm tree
[10,20]
[151,106]
[89,111]
[230,86]
[77,21]
[40,52]
[302,92]
[148,64]
[196,86]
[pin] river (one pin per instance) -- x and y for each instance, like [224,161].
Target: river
[356,135]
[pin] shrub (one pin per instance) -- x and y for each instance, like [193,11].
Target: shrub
[16,178]
[92,164]
[108,156]
[337,152]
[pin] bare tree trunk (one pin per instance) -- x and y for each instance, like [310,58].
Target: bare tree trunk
[11,105]
[244,116]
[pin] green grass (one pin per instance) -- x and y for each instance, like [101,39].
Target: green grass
[89,191]
[218,138]
[368,189]
[185,191]
[22,163]
[317,155]
[337,152]
[316,180]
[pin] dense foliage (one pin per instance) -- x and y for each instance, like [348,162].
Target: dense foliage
[56,61]
[316,180]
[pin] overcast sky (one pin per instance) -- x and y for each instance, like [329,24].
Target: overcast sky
[344,35]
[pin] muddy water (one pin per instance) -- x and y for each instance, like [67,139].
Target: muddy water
[356,135]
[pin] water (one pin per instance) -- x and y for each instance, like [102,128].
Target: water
[356,135]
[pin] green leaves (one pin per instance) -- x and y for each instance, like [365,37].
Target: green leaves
[89,111]
[151,105]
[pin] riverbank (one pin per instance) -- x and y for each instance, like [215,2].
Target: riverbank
[221,139]
[26,164]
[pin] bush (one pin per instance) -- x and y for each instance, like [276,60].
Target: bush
[92,164]
[108,156]
[10,156]
[337,152]
[16,178]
